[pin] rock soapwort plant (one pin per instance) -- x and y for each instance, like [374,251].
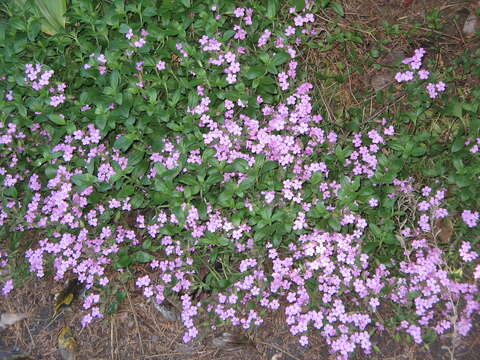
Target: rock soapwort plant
[182,147]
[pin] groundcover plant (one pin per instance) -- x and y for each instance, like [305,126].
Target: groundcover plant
[180,145]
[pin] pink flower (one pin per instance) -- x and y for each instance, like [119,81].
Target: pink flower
[129,34]
[9,96]
[289,31]
[440,86]
[432,90]
[476,274]
[423,74]
[262,41]
[470,218]
[465,252]
[143,281]
[303,340]
[87,319]
[374,303]
[102,59]
[7,287]
[140,43]
[239,12]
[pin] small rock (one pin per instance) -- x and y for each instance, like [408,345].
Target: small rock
[168,311]
[394,57]
[381,80]
[186,348]
[230,342]
[471,25]
[443,229]
[7,319]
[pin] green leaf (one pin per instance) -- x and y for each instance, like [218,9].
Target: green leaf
[10,191]
[247,183]
[33,30]
[227,35]
[124,142]
[299,4]
[147,244]
[57,119]
[187,180]
[124,261]
[225,199]
[50,172]
[458,144]
[135,157]
[455,108]
[212,239]
[143,257]
[254,72]
[240,165]
[418,150]
[272,8]
[137,201]
[101,121]
[3,27]
[127,190]
[334,224]
[84,180]
[53,15]
[280,58]
[338,9]
[149,11]
[376,230]
[213,179]
[174,98]
[123,29]
[114,79]
[324,3]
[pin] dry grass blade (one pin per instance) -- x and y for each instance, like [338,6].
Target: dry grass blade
[10,356]
[140,340]
[8,319]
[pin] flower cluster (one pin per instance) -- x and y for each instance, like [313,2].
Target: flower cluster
[37,76]
[415,63]
[138,40]
[470,217]
[99,61]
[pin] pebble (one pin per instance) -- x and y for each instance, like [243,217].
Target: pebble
[471,25]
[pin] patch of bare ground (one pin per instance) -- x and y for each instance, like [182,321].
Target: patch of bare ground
[138,331]
[346,74]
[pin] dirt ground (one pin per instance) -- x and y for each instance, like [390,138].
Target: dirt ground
[138,330]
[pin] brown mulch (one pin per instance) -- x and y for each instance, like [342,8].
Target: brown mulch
[138,331]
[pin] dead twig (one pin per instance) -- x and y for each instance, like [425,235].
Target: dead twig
[112,320]
[136,323]
[392,103]
[173,353]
